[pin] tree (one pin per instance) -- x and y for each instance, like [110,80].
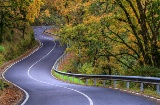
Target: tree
[17,14]
[116,34]
[142,19]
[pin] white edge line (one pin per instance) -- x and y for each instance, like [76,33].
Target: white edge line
[27,95]
[89,99]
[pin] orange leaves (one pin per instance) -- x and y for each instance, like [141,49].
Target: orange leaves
[131,38]
[111,28]
[91,19]
[33,10]
[47,14]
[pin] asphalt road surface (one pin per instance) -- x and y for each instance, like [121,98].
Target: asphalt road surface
[33,75]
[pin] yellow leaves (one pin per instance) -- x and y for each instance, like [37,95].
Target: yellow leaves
[158,43]
[91,19]
[131,37]
[87,4]
[156,15]
[112,27]
[33,10]
[47,14]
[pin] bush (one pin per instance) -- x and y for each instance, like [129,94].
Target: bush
[148,71]
[3,84]
[20,46]
[1,48]
[86,69]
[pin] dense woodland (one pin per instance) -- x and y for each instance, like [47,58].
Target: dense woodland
[16,33]
[111,36]
[104,36]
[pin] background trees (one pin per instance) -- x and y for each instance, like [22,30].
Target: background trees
[114,36]
[17,14]
[16,35]
[110,37]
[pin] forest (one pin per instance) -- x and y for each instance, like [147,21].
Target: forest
[114,37]
[16,33]
[105,37]
[118,37]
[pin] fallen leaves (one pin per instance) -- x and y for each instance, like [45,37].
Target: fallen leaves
[11,96]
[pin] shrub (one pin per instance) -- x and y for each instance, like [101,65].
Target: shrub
[3,84]
[148,71]
[1,48]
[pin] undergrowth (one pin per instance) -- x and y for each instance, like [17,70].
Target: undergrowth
[11,49]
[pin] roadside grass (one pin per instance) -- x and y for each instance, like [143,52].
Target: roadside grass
[3,85]
[68,79]
[149,90]
[134,87]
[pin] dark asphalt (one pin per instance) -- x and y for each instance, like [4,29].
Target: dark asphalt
[33,75]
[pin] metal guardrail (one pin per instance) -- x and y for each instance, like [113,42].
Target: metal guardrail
[115,78]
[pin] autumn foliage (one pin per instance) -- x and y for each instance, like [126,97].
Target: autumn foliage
[113,36]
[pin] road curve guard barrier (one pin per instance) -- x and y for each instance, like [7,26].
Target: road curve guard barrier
[115,78]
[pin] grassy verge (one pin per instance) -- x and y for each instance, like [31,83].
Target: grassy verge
[134,87]
[68,79]
[11,49]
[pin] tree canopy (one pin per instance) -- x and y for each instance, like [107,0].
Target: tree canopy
[108,37]
[17,14]
[114,36]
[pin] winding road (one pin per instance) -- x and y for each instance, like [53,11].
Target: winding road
[33,75]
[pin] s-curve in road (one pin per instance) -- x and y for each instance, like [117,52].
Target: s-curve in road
[32,74]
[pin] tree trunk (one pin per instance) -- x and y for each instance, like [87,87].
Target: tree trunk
[23,31]
[1,29]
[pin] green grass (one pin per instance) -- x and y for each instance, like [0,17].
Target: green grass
[3,84]
[1,48]
[68,79]
[134,87]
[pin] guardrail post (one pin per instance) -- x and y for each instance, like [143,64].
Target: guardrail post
[142,89]
[79,81]
[86,81]
[62,58]
[57,65]
[60,76]
[68,78]
[73,79]
[63,77]
[104,82]
[59,61]
[94,82]
[56,73]
[157,89]
[115,83]
[127,85]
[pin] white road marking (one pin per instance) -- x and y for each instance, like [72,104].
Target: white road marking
[27,95]
[89,99]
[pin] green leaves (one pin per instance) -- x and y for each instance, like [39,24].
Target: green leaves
[1,48]
[3,84]
[124,33]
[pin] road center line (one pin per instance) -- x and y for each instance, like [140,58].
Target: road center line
[89,99]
